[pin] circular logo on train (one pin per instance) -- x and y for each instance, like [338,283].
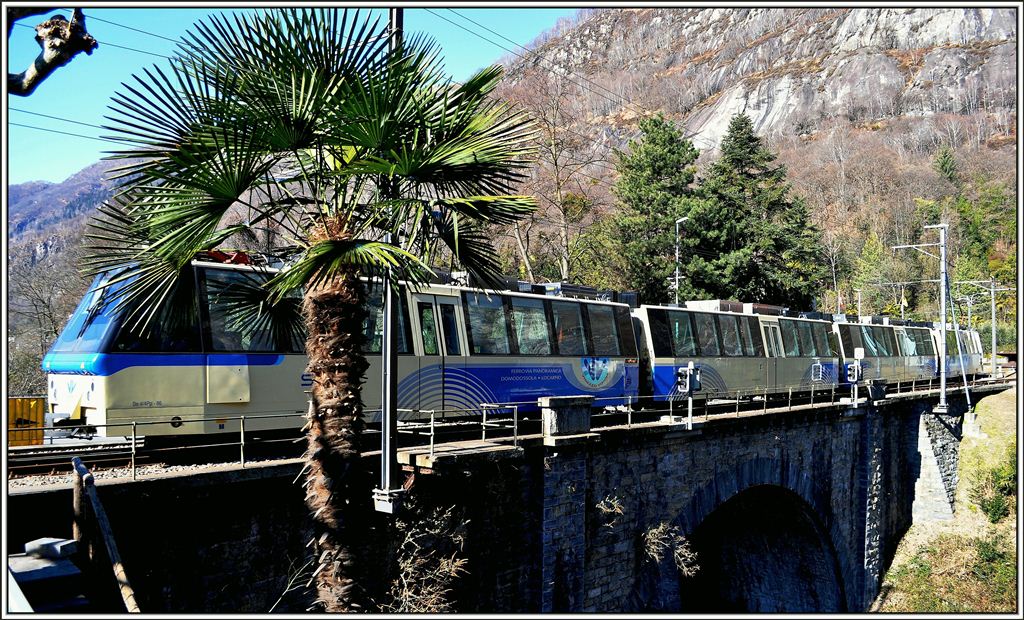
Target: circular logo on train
[594,370]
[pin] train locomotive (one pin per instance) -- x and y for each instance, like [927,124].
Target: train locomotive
[461,348]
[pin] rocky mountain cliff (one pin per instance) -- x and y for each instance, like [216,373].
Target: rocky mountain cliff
[788,69]
[43,218]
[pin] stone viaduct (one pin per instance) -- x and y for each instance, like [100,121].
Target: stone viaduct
[795,511]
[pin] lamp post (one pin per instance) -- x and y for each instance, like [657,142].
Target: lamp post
[678,222]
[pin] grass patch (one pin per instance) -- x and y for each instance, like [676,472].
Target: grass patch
[968,564]
[956,574]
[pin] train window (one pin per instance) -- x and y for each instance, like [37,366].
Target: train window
[657,321]
[871,346]
[373,325]
[790,339]
[833,342]
[429,328]
[908,348]
[951,348]
[572,340]
[450,328]
[923,339]
[883,341]
[175,329]
[804,332]
[707,335]
[488,333]
[627,344]
[821,340]
[731,344]
[752,340]
[229,329]
[603,329]
[889,339]
[531,326]
[849,335]
[680,340]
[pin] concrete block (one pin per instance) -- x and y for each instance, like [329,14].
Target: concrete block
[53,548]
[565,415]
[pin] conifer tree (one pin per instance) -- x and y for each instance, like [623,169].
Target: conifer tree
[653,191]
[748,238]
[869,271]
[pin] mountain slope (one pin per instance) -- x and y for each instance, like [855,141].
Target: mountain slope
[789,69]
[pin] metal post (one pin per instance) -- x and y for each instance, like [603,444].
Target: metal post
[134,424]
[859,313]
[515,426]
[483,425]
[431,434]
[678,222]
[241,444]
[942,406]
[992,282]
[689,413]
[629,411]
[385,498]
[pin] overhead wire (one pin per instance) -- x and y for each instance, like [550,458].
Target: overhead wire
[621,101]
[68,133]
[578,227]
[108,44]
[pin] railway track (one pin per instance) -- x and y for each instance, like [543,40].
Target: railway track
[107,453]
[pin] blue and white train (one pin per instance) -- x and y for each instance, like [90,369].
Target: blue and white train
[458,349]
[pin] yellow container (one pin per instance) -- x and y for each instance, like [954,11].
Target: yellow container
[27,412]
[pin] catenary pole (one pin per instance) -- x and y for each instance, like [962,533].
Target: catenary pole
[385,498]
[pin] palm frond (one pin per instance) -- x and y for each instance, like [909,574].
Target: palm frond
[332,258]
[268,321]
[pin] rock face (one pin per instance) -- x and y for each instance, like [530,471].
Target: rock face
[38,208]
[788,69]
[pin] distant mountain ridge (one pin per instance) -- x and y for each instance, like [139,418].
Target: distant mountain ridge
[788,69]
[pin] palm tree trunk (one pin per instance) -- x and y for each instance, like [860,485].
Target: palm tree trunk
[337,493]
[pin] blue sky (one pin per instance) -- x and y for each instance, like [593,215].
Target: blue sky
[81,90]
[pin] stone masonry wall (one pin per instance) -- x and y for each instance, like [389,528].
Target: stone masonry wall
[557,527]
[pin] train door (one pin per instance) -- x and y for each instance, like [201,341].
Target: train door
[773,350]
[442,350]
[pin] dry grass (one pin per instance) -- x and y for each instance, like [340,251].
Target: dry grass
[966,564]
[664,538]
[428,563]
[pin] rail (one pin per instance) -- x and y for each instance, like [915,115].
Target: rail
[489,420]
[85,489]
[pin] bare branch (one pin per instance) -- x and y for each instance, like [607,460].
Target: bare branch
[60,40]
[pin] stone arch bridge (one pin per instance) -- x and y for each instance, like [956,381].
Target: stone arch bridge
[792,511]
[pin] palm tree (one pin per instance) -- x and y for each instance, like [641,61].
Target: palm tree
[304,121]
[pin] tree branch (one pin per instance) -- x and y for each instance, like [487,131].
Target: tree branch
[60,41]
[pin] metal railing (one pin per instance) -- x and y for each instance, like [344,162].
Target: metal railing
[455,421]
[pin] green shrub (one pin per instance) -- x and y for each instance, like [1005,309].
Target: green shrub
[995,488]
[995,507]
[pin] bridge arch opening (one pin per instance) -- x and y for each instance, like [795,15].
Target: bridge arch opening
[763,550]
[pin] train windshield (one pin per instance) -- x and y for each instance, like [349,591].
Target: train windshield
[93,321]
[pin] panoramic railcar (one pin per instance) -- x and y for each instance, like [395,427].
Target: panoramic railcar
[738,354]
[963,352]
[892,353]
[458,348]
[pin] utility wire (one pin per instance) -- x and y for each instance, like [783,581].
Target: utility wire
[67,133]
[124,47]
[56,118]
[107,21]
[620,100]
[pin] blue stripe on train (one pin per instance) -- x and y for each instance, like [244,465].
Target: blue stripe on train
[106,364]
